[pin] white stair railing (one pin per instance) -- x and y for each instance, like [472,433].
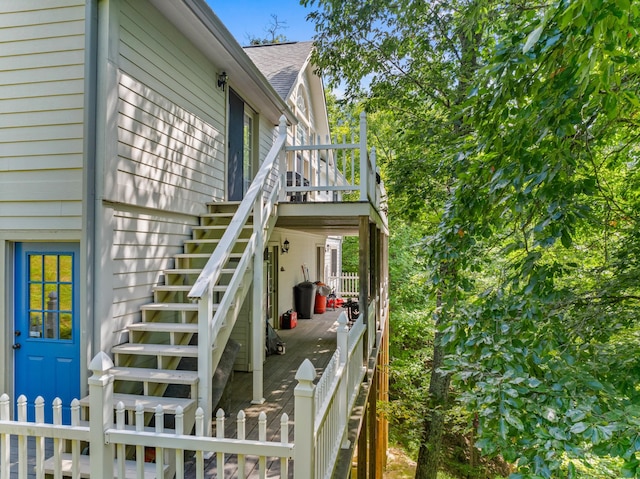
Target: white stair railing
[210,322]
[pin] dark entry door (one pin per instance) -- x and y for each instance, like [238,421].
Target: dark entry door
[46,324]
[235,170]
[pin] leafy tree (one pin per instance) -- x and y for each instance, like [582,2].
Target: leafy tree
[533,183]
[549,186]
[419,58]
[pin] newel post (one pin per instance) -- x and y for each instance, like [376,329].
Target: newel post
[282,158]
[304,433]
[100,415]
[343,391]
[257,306]
[364,170]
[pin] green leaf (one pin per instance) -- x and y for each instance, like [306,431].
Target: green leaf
[578,428]
[532,39]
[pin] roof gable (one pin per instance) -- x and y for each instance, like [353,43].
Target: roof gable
[280,63]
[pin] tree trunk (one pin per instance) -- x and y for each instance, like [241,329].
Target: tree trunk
[429,454]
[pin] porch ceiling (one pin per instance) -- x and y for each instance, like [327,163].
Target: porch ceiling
[341,219]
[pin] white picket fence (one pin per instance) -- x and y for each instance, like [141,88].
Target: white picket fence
[321,418]
[347,285]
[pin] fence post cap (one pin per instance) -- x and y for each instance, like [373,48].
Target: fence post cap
[100,363]
[306,372]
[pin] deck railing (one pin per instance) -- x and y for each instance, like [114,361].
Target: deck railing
[323,410]
[321,419]
[334,171]
[108,442]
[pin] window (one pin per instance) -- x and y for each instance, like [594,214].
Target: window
[50,305]
[301,101]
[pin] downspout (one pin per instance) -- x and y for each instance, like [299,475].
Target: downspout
[88,239]
[106,144]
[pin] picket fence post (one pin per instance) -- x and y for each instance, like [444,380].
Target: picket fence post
[100,415]
[304,449]
[343,391]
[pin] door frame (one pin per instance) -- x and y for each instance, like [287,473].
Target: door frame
[19,266]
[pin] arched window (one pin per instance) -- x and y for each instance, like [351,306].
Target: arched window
[302,103]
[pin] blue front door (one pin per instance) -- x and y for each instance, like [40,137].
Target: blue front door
[46,330]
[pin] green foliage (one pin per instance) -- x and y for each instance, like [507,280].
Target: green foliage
[407,273]
[543,227]
[408,374]
[350,254]
[508,136]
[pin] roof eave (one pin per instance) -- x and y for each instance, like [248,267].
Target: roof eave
[196,20]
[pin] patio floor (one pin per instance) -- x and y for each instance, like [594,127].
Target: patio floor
[313,339]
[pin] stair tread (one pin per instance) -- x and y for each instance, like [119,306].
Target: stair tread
[156,349]
[149,403]
[170,306]
[204,255]
[184,287]
[194,271]
[213,240]
[164,327]
[173,376]
[84,467]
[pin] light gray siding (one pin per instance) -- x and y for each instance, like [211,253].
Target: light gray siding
[155,53]
[170,154]
[242,334]
[42,49]
[168,158]
[144,243]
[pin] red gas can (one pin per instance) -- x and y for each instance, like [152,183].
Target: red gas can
[289,320]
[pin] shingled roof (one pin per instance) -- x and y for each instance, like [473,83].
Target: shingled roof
[280,63]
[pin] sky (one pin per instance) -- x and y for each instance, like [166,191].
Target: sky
[250,18]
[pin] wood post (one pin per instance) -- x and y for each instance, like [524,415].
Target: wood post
[304,452]
[205,357]
[257,306]
[100,415]
[364,160]
[363,271]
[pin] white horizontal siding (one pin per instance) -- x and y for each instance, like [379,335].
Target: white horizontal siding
[42,49]
[144,244]
[168,158]
[267,134]
[153,51]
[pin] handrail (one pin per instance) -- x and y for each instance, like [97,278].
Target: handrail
[211,272]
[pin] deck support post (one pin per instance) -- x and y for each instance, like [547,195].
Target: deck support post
[363,272]
[100,415]
[257,306]
[364,160]
[304,432]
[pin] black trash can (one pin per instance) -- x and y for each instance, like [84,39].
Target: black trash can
[304,298]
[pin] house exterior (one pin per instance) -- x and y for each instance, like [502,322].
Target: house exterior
[151,172]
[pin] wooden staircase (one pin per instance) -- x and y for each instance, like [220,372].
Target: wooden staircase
[159,346]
